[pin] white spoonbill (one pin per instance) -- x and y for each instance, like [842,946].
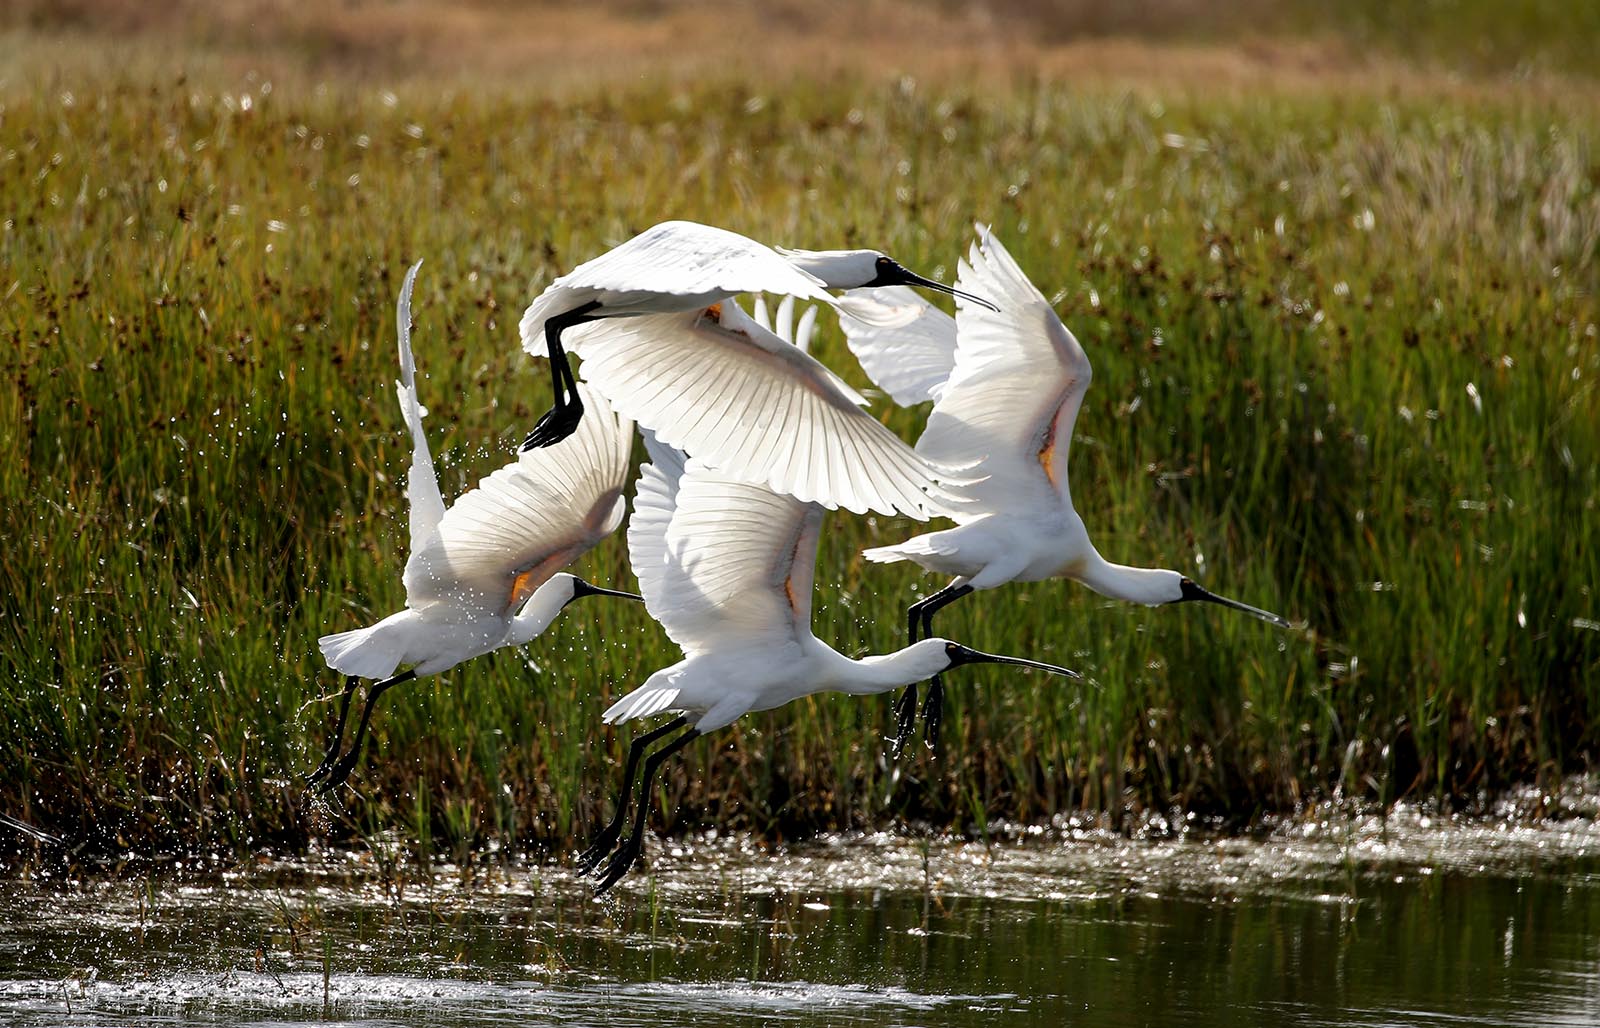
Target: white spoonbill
[726,567]
[682,266]
[1016,378]
[482,574]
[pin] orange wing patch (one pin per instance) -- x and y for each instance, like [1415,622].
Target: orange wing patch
[1047,452]
[522,587]
[528,581]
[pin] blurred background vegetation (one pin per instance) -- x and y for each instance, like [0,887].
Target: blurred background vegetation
[1336,271]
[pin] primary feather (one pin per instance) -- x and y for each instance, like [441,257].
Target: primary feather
[717,384]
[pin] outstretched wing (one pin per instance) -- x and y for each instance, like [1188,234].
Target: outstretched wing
[422,485]
[1013,397]
[718,385]
[905,344]
[655,497]
[732,561]
[528,520]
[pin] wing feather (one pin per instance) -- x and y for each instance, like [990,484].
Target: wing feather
[655,497]
[422,484]
[502,540]
[1013,396]
[716,384]
[905,344]
[723,559]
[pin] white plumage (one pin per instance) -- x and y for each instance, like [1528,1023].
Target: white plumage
[717,384]
[673,266]
[906,345]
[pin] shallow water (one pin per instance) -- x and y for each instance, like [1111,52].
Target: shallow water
[1404,922]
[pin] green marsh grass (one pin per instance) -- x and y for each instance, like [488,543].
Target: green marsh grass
[1345,353]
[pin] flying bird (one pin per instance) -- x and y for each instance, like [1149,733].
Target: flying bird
[727,566]
[486,573]
[1012,383]
[680,266]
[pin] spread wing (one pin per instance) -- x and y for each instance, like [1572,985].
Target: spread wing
[655,497]
[904,343]
[528,520]
[422,484]
[1013,396]
[720,560]
[716,384]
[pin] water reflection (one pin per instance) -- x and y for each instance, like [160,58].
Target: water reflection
[1348,924]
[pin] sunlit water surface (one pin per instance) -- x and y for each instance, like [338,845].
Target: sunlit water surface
[1408,922]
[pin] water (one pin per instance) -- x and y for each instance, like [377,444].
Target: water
[1413,922]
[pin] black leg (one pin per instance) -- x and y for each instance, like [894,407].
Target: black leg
[905,711]
[919,625]
[629,851]
[938,601]
[933,706]
[906,707]
[350,683]
[347,763]
[561,420]
[590,858]
[932,713]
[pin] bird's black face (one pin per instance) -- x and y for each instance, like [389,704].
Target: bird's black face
[890,272]
[580,589]
[1192,592]
[958,655]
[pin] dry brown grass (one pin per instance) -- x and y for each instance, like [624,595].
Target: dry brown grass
[550,48]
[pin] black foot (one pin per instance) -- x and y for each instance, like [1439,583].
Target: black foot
[932,712]
[326,767]
[338,773]
[621,864]
[906,714]
[590,858]
[558,422]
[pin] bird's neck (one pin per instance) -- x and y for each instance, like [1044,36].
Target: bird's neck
[838,269]
[886,672]
[1135,585]
[537,614]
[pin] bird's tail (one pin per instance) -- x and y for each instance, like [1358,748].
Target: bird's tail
[364,652]
[649,698]
[886,554]
[919,548]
